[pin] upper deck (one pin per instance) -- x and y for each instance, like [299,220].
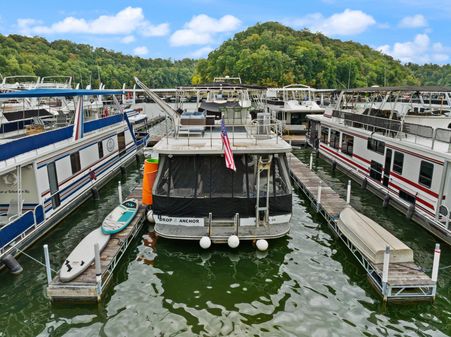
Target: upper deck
[256,136]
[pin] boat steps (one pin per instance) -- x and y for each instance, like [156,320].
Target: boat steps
[406,280]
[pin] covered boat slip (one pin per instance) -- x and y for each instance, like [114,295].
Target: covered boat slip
[366,240]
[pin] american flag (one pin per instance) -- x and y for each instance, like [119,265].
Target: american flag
[79,120]
[228,155]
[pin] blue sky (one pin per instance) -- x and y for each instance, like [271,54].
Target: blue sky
[409,30]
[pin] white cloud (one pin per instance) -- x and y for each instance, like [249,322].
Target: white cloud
[128,39]
[420,50]
[155,30]
[202,28]
[140,51]
[415,21]
[349,22]
[201,52]
[124,22]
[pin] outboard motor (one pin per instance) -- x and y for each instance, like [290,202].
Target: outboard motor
[12,264]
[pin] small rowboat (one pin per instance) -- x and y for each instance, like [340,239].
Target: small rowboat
[120,217]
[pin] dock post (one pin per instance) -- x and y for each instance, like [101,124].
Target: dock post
[436,262]
[348,193]
[119,191]
[210,219]
[47,264]
[385,272]
[311,161]
[98,270]
[318,201]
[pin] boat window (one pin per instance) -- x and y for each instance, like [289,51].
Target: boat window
[426,171]
[183,176]
[121,143]
[398,162]
[162,184]
[335,139]
[376,170]
[75,162]
[100,146]
[208,177]
[324,134]
[347,144]
[376,145]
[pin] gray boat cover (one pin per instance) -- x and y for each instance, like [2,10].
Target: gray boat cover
[371,239]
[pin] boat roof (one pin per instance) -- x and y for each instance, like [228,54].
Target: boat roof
[57,92]
[223,85]
[434,88]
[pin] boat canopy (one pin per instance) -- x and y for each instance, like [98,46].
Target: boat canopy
[58,92]
[401,88]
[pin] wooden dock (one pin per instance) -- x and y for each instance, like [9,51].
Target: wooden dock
[85,287]
[406,281]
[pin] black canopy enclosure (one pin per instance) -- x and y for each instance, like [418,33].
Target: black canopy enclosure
[195,185]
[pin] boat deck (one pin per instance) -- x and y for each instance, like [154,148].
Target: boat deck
[406,281]
[85,287]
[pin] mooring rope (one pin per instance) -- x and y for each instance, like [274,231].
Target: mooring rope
[35,260]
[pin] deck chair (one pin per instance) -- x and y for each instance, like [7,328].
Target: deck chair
[14,211]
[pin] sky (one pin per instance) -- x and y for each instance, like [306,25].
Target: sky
[416,31]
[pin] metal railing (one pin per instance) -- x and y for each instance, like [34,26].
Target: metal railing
[253,130]
[394,128]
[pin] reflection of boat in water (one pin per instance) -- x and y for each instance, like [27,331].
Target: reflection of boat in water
[218,277]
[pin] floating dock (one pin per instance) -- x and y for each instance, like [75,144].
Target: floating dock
[88,287]
[401,281]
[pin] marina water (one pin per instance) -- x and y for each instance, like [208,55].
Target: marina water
[306,284]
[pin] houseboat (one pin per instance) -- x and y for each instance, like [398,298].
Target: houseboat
[196,195]
[291,104]
[45,175]
[397,142]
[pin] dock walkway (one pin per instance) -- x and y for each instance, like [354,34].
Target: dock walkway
[85,287]
[406,281]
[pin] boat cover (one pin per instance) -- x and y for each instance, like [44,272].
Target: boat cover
[371,239]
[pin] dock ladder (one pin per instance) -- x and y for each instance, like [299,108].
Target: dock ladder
[262,166]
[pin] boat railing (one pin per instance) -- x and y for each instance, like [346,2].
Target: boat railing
[256,130]
[396,128]
[15,231]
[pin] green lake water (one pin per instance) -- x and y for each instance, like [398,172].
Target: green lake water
[306,284]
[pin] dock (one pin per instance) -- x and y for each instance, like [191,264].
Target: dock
[403,282]
[87,287]
[295,140]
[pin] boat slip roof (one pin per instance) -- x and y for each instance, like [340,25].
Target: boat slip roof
[57,92]
[371,239]
[402,88]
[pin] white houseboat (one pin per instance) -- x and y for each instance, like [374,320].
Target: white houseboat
[397,142]
[195,195]
[47,174]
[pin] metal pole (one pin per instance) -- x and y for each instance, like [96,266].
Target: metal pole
[98,270]
[311,160]
[119,191]
[436,263]
[348,193]
[236,223]
[210,219]
[385,271]
[318,201]
[47,264]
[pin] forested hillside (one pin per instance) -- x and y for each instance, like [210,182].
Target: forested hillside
[276,55]
[20,55]
[432,74]
[267,54]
